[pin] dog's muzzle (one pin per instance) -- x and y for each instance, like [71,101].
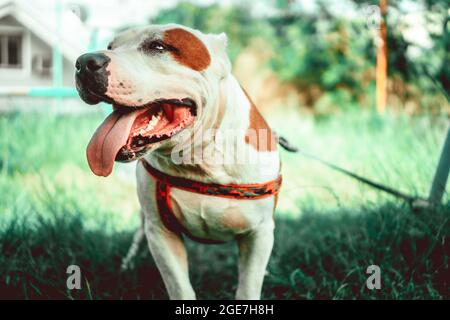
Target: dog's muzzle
[91,77]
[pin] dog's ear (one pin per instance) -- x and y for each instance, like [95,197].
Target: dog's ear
[218,47]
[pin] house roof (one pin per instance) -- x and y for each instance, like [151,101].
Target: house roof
[73,36]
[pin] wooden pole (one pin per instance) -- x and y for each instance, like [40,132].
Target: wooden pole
[382,61]
[442,172]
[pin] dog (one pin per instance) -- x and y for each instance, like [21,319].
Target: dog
[168,85]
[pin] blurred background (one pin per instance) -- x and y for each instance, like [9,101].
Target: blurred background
[362,84]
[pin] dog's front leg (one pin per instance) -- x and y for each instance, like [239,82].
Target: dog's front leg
[254,254]
[170,255]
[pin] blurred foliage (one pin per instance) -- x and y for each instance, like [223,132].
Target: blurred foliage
[330,59]
[318,54]
[440,53]
[217,19]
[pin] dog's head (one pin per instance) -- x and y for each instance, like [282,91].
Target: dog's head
[159,79]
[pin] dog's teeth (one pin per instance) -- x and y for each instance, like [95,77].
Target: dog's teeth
[152,123]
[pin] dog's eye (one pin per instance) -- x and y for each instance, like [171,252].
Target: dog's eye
[153,46]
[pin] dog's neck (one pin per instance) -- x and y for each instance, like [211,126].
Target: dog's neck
[228,114]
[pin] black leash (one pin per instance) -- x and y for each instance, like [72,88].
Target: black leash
[410,199]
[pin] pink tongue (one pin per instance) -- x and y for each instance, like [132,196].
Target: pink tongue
[107,141]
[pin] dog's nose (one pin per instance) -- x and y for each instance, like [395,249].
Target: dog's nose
[91,76]
[92,62]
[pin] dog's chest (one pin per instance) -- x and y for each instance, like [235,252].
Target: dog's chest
[219,218]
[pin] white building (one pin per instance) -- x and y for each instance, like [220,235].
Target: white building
[27,35]
[29,29]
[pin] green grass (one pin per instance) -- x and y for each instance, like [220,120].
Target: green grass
[397,150]
[54,212]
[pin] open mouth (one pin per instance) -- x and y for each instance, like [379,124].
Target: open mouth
[128,132]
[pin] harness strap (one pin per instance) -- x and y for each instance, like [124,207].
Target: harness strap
[168,217]
[234,191]
[165,182]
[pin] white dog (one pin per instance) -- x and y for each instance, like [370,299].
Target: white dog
[174,98]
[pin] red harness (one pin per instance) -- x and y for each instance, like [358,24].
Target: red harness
[165,182]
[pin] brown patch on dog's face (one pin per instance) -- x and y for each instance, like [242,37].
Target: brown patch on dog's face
[190,51]
[259,134]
